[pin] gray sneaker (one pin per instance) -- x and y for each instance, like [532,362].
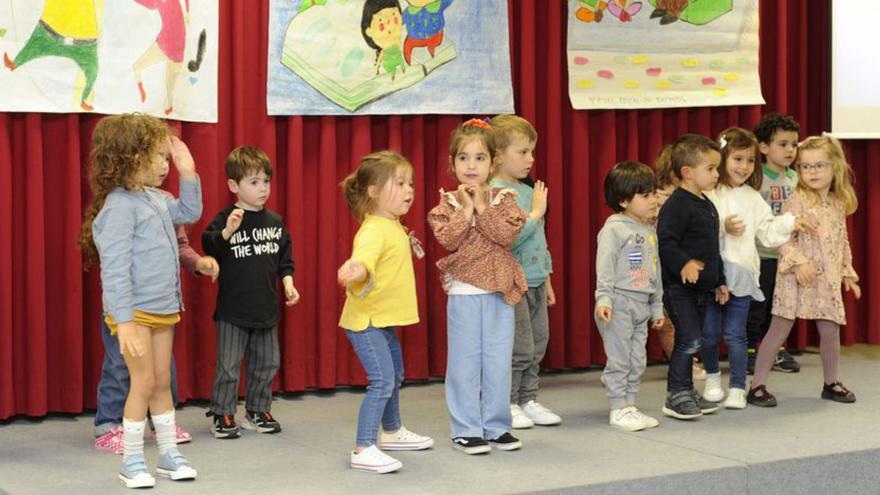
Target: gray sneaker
[175,466]
[706,406]
[134,472]
[681,405]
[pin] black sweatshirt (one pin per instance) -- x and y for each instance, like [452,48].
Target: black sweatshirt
[688,228]
[250,263]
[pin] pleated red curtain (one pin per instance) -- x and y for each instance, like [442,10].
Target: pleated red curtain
[50,346]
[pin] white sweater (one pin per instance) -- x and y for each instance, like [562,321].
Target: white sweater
[742,265]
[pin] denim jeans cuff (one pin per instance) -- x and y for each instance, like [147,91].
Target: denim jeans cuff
[104,428]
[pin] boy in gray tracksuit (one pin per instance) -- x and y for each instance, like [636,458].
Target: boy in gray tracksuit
[629,291]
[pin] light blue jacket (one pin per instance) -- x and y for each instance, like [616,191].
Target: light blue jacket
[530,246]
[135,237]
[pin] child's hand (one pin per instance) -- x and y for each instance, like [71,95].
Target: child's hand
[233,222]
[734,226]
[604,313]
[539,201]
[722,295]
[129,339]
[802,224]
[467,201]
[657,324]
[805,273]
[691,271]
[351,271]
[849,284]
[478,197]
[207,265]
[551,294]
[182,158]
[290,292]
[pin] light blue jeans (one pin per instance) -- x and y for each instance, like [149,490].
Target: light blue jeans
[380,355]
[478,365]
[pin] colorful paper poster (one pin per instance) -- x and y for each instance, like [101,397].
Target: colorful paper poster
[152,56]
[663,53]
[342,57]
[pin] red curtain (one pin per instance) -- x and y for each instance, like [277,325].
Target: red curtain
[50,345]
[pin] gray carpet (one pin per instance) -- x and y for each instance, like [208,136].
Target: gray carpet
[806,445]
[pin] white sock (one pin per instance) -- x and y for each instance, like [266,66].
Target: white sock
[133,437]
[166,431]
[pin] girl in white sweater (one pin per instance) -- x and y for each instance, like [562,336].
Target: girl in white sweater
[745,217]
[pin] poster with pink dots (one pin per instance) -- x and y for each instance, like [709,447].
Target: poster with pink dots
[663,53]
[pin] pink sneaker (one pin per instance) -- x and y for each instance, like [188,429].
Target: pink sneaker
[182,435]
[111,441]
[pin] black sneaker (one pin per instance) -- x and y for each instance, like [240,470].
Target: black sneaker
[785,362]
[681,405]
[843,395]
[706,406]
[506,442]
[751,360]
[766,399]
[261,422]
[471,445]
[224,426]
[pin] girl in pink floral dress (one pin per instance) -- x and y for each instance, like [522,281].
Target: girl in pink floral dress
[812,268]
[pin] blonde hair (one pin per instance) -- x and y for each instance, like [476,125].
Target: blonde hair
[507,127]
[375,169]
[841,183]
[735,139]
[122,146]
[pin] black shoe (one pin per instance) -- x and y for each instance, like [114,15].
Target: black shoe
[751,360]
[657,13]
[766,399]
[506,442]
[706,406]
[261,422]
[224,426]
[668,19]
[471,445]
[681,405]
[785,362]
[843,395]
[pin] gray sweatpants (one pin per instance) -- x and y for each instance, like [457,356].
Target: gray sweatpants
[624,339]
[262,356]
[532,331]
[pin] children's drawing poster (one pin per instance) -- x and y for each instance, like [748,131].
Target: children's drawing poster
[663,53]
[152,56]
[344,57]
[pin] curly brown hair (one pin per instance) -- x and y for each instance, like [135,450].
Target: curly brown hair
[122,146]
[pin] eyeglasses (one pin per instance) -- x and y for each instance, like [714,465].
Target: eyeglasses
[813,167]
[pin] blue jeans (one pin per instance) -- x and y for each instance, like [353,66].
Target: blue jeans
[734,313]
[687,309]
[478,365]
[114,384]
[380,355]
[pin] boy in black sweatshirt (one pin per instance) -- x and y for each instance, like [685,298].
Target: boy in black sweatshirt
[253,248]
[690,256]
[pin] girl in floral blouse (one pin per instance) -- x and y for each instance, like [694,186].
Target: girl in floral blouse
[813,267]
[477,224]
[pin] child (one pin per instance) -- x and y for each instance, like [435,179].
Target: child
[380,295]
[777,140]
[478,223]
[253,248]
[129,225]
[628,289]
[812,267]
[515,140]
[746,217]
[693,275]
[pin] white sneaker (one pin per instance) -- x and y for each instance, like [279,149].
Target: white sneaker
[713,391]
[650,421]
[404,439]
[736,399]
[374,460]
[520,420]
[540,415]
[626,419]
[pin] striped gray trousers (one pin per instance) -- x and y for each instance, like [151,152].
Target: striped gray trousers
[259,346]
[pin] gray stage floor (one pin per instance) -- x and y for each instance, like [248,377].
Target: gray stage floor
[806,445]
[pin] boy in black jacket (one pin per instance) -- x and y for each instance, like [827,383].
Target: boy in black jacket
[688,233]
[253,248]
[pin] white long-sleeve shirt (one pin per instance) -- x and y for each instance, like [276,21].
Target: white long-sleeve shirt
[742,265]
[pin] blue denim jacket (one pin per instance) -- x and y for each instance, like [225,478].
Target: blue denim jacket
[135,237]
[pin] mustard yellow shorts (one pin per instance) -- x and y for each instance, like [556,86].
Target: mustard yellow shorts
[144,319]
